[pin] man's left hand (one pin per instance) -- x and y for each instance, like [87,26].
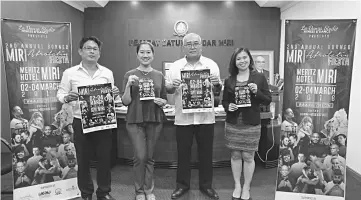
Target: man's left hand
[214,80]
[115,91]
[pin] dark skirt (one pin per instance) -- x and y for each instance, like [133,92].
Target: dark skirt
[242,137]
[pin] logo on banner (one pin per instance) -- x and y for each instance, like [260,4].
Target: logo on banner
[180,28]
[72,188]
[58,191]
[44,194]
[319,29]
[36,30]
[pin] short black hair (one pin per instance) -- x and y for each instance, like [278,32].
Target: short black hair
[147,43]
[233,69]
[92,38]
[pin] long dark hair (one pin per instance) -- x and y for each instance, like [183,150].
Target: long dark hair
[233,69]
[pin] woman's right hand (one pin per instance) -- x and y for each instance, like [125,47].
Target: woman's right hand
[232,107]
[132,80]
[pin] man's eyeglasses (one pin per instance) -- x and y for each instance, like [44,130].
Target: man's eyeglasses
[96,49]
[189,45]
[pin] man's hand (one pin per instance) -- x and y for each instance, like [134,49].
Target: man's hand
[115,91]
[160,102]
[72,96]
[232,107]
[214,79]
[176,83]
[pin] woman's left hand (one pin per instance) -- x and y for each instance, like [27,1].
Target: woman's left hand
[253,87]
[160,102]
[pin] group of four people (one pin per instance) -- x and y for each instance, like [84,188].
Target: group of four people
[144,120]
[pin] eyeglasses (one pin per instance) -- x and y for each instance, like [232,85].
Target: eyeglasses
[91,48]
[189,45]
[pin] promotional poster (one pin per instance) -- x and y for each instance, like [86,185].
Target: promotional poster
[146,89]
[318,70]
[242,96]
[196,91]
[44,158]
[97,107]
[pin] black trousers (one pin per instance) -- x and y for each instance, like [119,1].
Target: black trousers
[204,134]
[100,143]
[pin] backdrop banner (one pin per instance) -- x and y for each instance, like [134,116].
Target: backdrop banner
[35,56]
[318,70]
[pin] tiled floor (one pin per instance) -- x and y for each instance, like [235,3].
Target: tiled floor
[263,185]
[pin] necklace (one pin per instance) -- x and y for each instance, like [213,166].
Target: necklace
[144,72]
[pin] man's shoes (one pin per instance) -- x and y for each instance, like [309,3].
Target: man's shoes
[178,193]
[106,197]
[210,192]
[140,197]
[87,198]
[235,198]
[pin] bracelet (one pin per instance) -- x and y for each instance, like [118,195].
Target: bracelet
[65,100]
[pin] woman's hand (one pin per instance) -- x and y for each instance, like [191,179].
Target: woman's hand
[132,80]
[160,102]
[232,107]
[253,87]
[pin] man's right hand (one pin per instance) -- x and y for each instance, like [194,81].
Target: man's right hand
[176,83]
[72,96]
[232,107]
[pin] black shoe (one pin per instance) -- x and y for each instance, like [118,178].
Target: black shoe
[235,198]
[247,199]
[211,193]
[106,197]
[178,193]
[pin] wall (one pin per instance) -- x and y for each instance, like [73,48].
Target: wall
[41,11]
[244,22]
[336,10]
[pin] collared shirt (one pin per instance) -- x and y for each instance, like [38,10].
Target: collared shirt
[175,73]
[79,76]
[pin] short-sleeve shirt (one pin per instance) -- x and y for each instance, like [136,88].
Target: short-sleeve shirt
[140,111]
[175,73]
[78,76]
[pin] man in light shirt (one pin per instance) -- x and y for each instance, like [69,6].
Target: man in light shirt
[89,72]
[188,125]
[260,63]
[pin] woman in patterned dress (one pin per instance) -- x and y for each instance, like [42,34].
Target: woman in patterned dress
[243,121]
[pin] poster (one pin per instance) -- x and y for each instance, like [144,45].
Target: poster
[97,107]
[146,89]
[196,91]
[44,158]
[318,70]
[242,96]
